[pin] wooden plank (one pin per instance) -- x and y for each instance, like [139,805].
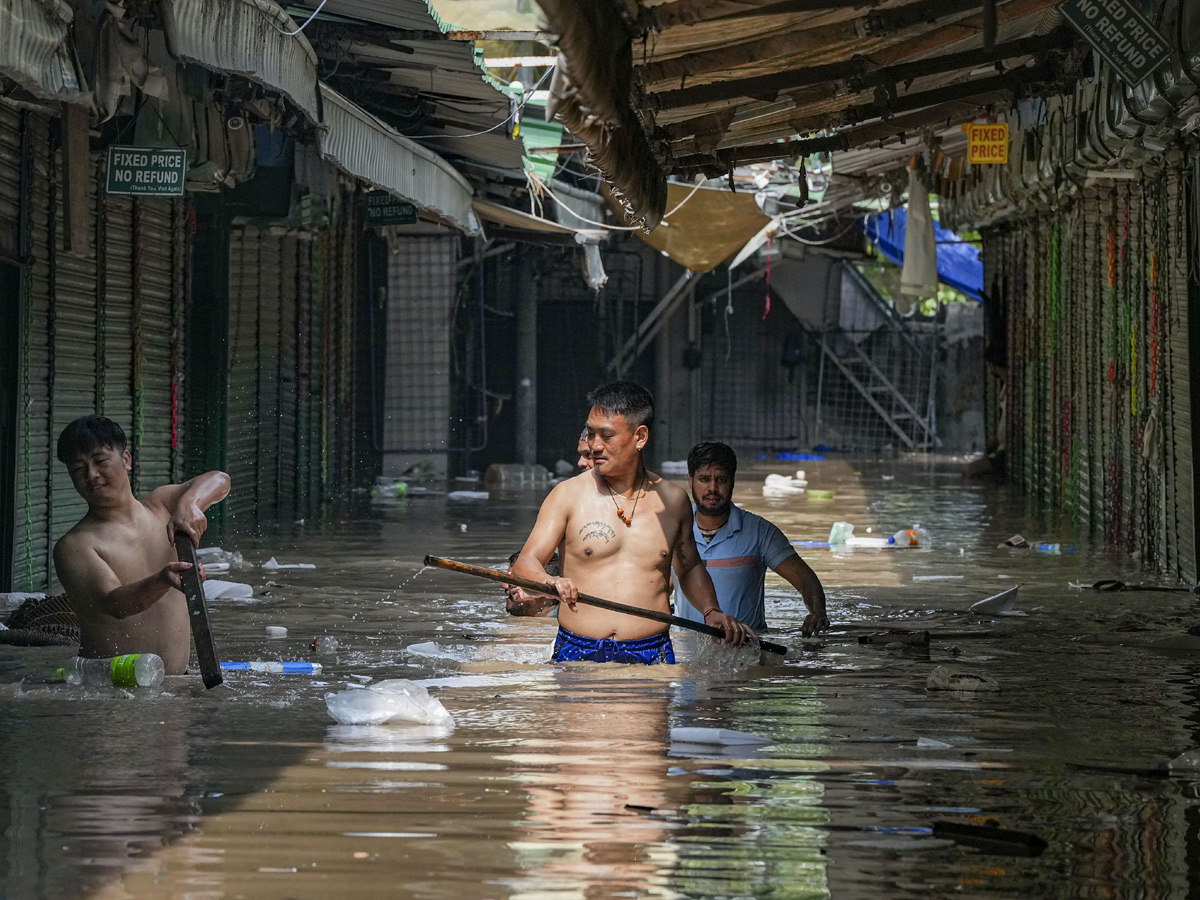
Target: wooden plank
[193,590]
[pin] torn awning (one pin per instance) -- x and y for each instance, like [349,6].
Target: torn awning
[708,228]
[958,262]
[508,217]
[34,51]
[367,148]
[250,38]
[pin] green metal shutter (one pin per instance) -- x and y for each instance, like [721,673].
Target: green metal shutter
[71,331]
[290,249]
[267,264]
[156,260]
[35,455]
[243,423]
[20,130]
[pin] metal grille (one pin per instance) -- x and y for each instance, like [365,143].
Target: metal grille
[421,290]
[750,397]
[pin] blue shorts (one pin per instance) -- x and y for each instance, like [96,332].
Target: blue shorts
[571,647]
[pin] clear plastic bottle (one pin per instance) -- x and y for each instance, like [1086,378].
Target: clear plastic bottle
[905,537]
[130,670]
[1049,548]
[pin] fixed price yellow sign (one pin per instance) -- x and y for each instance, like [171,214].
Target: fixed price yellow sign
[987,143]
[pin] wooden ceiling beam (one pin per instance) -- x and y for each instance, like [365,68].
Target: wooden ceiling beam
[797,41]
[857,72]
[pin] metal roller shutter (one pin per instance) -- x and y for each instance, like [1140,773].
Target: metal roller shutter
[71,333]
[305,418]
[242,439]
[155,297]
[35,455]
[268,374]
[1180,375]
[290,249]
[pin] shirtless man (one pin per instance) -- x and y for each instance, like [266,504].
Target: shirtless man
[118,564]
[619,529]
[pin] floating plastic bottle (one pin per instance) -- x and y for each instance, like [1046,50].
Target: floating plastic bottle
[905,537]
[394,489]
[130,670]
[324,644]
[274,668]
[1048,548]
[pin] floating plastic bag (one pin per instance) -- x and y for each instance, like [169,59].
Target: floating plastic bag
[215,589]
[396,698]
[944,678]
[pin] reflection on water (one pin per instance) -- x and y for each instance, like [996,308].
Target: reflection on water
[563,782]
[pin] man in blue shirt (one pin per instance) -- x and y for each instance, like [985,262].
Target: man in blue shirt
[738,547]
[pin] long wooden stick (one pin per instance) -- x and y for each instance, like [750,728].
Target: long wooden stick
[549,590]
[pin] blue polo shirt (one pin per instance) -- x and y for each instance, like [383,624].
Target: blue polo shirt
[737,558]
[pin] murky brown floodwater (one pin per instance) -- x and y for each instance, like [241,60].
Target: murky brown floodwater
[562,782]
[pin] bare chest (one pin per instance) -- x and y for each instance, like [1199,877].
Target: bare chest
[596,533]
[137,549]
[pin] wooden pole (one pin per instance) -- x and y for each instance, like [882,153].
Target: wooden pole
[550,591]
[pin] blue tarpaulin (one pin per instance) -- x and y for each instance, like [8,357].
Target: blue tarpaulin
[959,263]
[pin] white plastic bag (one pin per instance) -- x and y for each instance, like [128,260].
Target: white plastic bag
[396,698]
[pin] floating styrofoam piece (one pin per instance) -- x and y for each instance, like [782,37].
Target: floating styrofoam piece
[215,589]
[997,604]
[938,577]
[945,678]
[932,744]
[469,495]
[276,631]
[273,564]
[722,736]
[396,698]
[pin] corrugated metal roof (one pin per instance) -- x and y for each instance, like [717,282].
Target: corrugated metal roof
[442,81]
[33,48]
[247,38]
[369,149]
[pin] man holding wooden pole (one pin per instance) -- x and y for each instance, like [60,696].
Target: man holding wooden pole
[619,530]
[118,564]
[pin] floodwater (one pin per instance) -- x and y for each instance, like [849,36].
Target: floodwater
[562,781]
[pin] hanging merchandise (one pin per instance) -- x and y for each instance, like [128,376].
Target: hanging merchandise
[918,280]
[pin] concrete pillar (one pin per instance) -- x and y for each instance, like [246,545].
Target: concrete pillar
[527,353]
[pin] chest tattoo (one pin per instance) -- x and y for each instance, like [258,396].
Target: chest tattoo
[597,529]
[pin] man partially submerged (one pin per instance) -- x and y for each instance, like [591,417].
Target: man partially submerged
[619,529]
[118,564]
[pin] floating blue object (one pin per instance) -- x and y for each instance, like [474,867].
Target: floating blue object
[277,668]
[959,263]
[820,545]
[799,457]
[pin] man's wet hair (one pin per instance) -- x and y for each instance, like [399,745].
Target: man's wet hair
[624,398]
[86,435]
[712,453]
[553,569]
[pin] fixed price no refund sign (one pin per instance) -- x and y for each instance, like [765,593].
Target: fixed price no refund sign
[1121,34]
[146,171]
[987,143]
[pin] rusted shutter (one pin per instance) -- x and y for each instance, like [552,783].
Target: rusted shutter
[243,408]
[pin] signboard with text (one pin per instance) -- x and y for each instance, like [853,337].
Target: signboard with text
[1121,34]
[146,171]
[385,209]
[987,143]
